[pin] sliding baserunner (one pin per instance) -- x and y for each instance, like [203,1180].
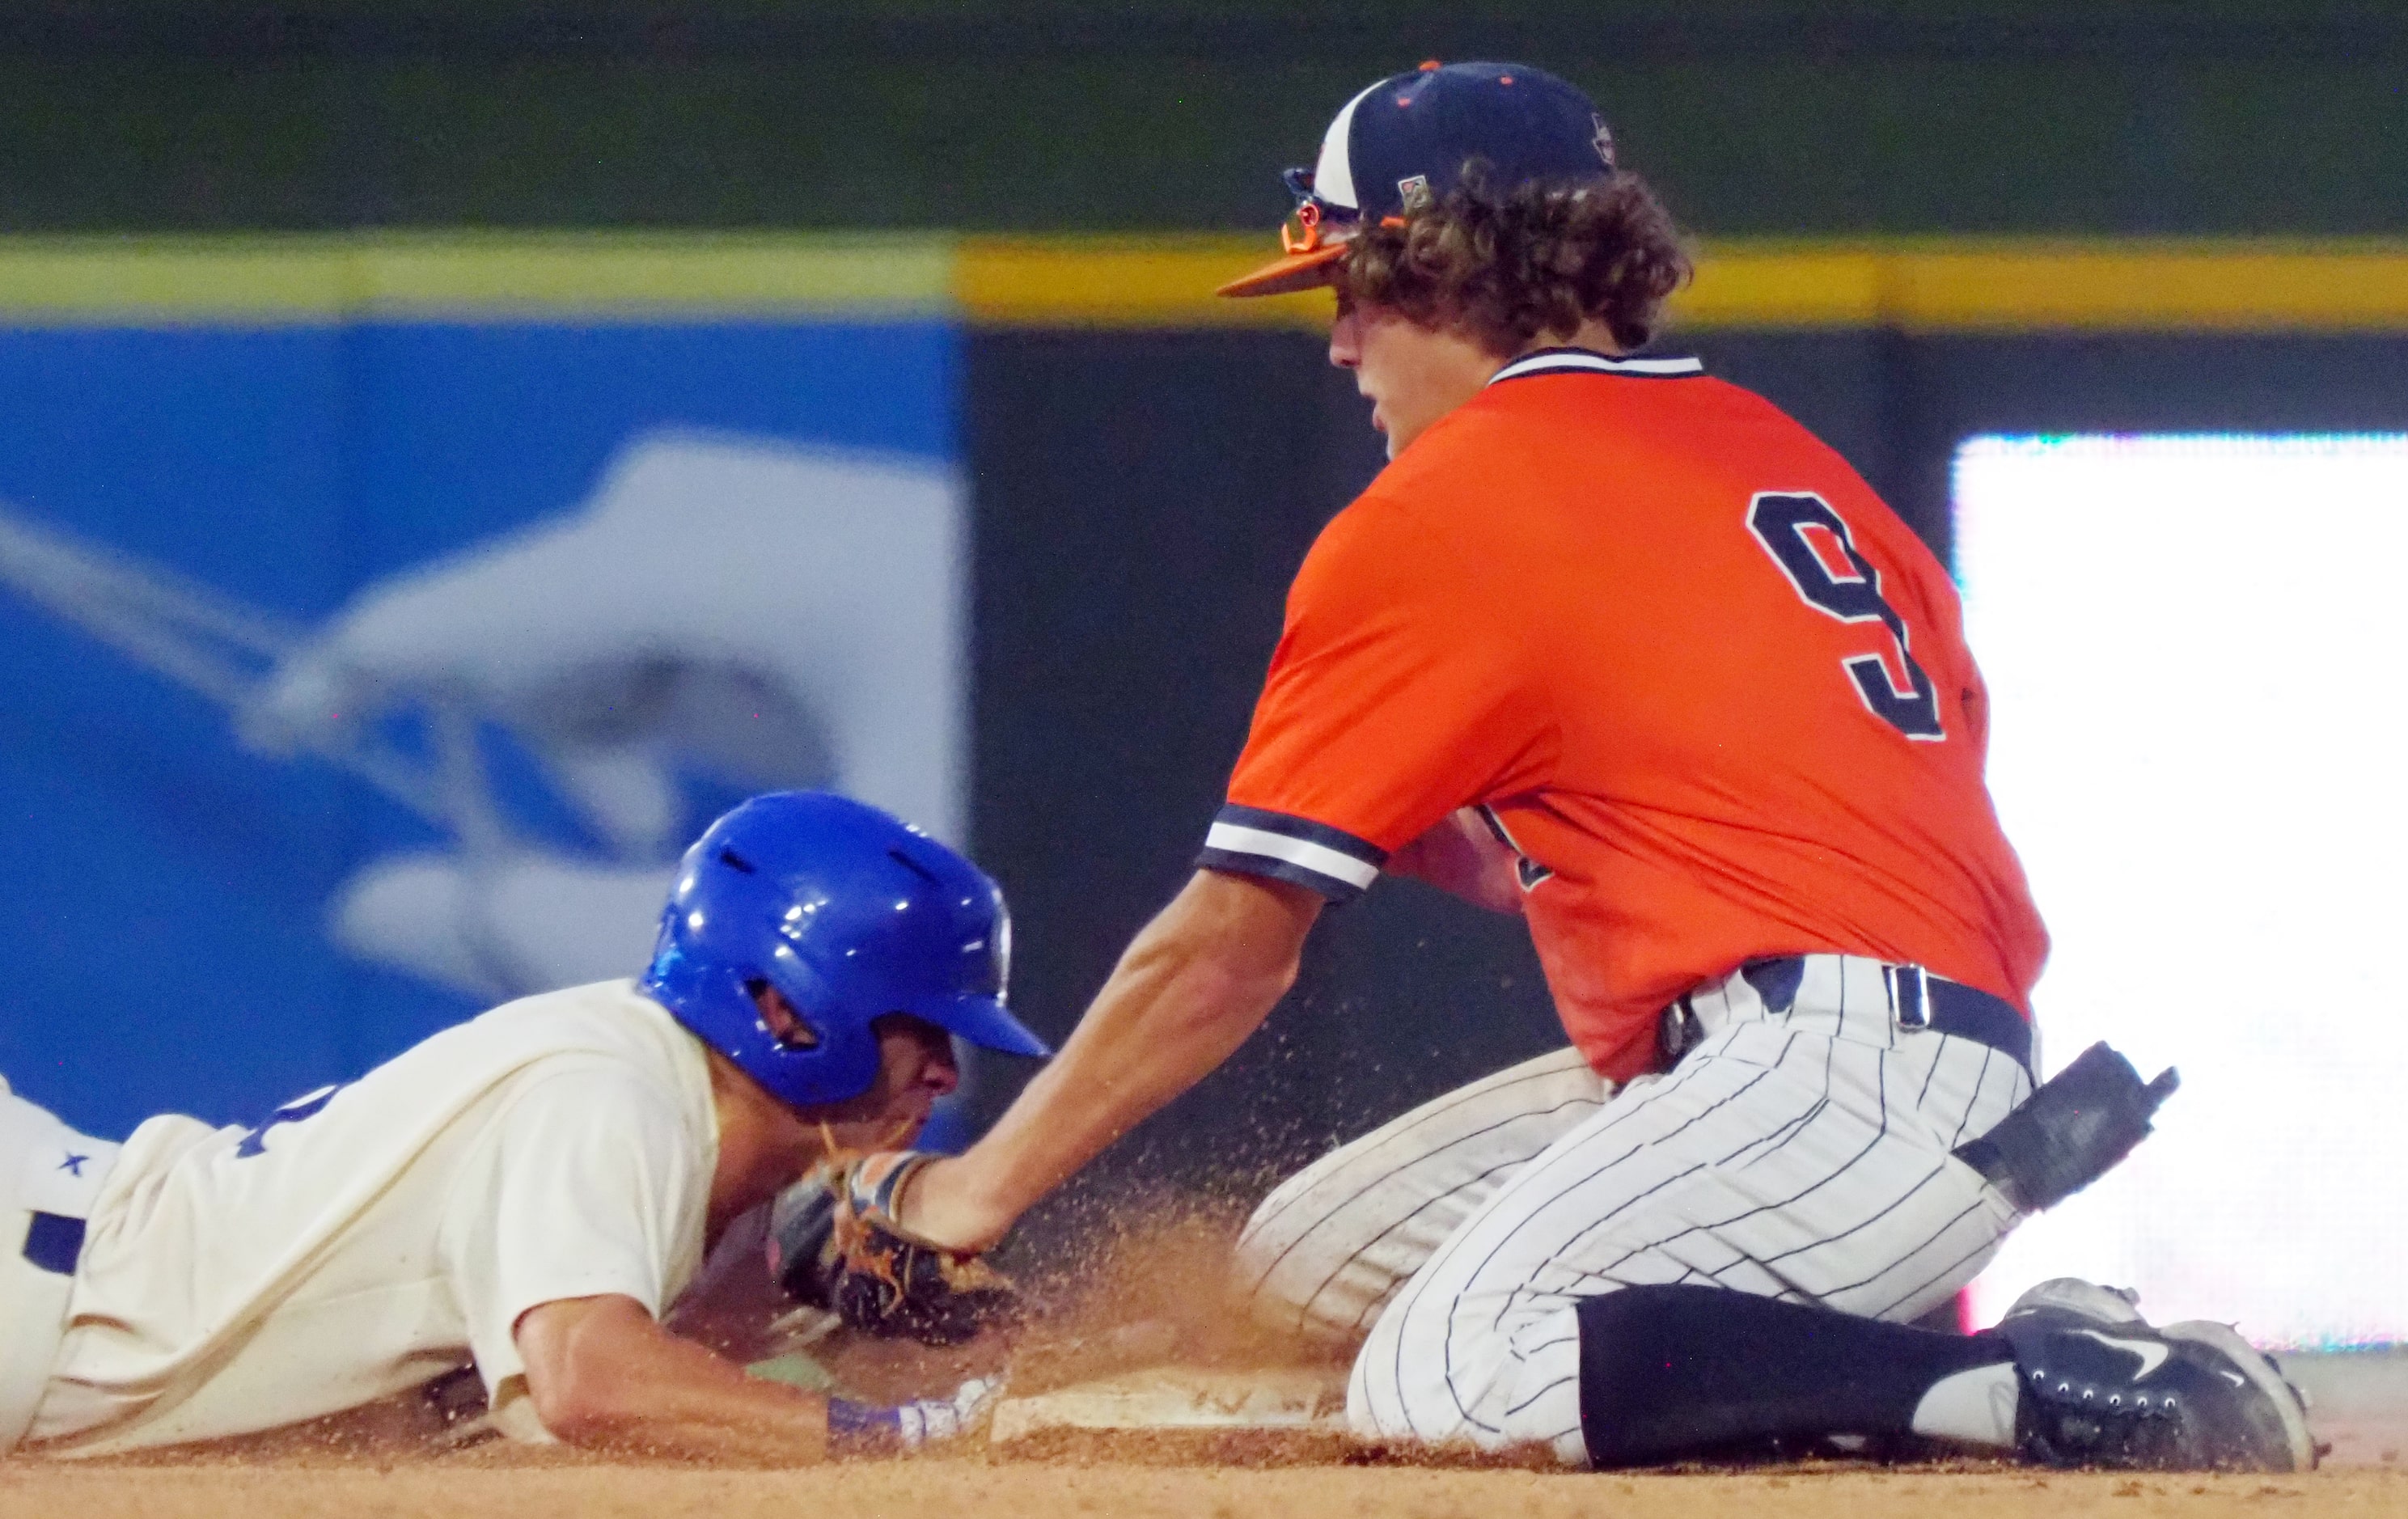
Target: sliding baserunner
[526,1193]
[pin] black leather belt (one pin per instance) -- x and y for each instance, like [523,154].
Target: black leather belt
[1925,1000]
[1922,1000]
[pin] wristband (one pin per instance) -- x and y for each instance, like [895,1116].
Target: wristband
[864,1429]
[857,1429]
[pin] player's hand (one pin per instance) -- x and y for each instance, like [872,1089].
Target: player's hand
[836,1242]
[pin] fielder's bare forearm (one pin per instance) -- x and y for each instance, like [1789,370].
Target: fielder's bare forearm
[604,1375]
[1190,988]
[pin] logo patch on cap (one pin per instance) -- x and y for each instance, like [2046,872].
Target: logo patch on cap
[1414,193]
[1604,140]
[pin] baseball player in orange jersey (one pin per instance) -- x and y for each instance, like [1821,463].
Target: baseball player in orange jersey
[1623,648]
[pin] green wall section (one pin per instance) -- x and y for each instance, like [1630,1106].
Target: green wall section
[2249,117]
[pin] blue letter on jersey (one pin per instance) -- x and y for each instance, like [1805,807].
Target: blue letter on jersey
[1780,519]
[255,1142]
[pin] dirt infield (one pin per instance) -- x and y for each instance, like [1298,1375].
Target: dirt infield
[386,1461]
[527,1485]
[384,1469]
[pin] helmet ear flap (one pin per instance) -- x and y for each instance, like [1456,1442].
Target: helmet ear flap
[785,1022]
[805,990]
[841,1053]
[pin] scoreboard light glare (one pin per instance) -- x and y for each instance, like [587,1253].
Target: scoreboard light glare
[2196,649]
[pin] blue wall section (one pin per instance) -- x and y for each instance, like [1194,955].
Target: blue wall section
[164,889]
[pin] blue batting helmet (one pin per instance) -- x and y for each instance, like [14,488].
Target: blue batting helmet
[852,914]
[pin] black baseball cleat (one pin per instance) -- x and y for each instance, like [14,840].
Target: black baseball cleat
[2101,1387]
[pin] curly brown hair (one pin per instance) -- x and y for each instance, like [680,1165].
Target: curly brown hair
[1505,266]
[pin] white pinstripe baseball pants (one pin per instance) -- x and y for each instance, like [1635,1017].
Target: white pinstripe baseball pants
[1802,1156]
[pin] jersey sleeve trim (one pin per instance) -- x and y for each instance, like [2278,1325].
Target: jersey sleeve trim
[1252,841]
[1558,361]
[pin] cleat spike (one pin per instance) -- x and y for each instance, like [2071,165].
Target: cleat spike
[2102,1387]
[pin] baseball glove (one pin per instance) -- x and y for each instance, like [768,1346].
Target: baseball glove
[833,1243]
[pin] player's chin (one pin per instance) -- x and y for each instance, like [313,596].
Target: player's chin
[911,1122]
[890,1128]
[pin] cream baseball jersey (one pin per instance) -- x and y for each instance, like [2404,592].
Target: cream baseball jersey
[369,1237]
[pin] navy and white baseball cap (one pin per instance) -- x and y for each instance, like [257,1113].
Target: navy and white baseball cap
[1402,144]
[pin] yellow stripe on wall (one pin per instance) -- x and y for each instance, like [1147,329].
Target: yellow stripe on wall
[615,275]
[1935,286]
[105,282]
[2039,286]
[2193,286]
[854,275]
[1785,286]
[1122,282]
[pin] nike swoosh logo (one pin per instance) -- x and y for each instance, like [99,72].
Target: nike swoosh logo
[2152,1353]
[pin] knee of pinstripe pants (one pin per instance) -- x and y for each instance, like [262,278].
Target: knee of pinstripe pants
[1325,1252]
[1803,1154]
[1508,1382]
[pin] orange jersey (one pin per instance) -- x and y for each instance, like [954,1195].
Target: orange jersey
[1713,691]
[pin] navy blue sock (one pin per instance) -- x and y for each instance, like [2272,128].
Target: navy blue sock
[1669,1373]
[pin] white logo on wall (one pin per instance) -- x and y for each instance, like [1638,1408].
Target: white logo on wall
[734,608]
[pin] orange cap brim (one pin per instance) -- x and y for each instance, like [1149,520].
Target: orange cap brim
[1294,272]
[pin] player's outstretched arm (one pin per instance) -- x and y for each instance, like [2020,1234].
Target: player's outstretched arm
[603,1374]
[1188,990]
